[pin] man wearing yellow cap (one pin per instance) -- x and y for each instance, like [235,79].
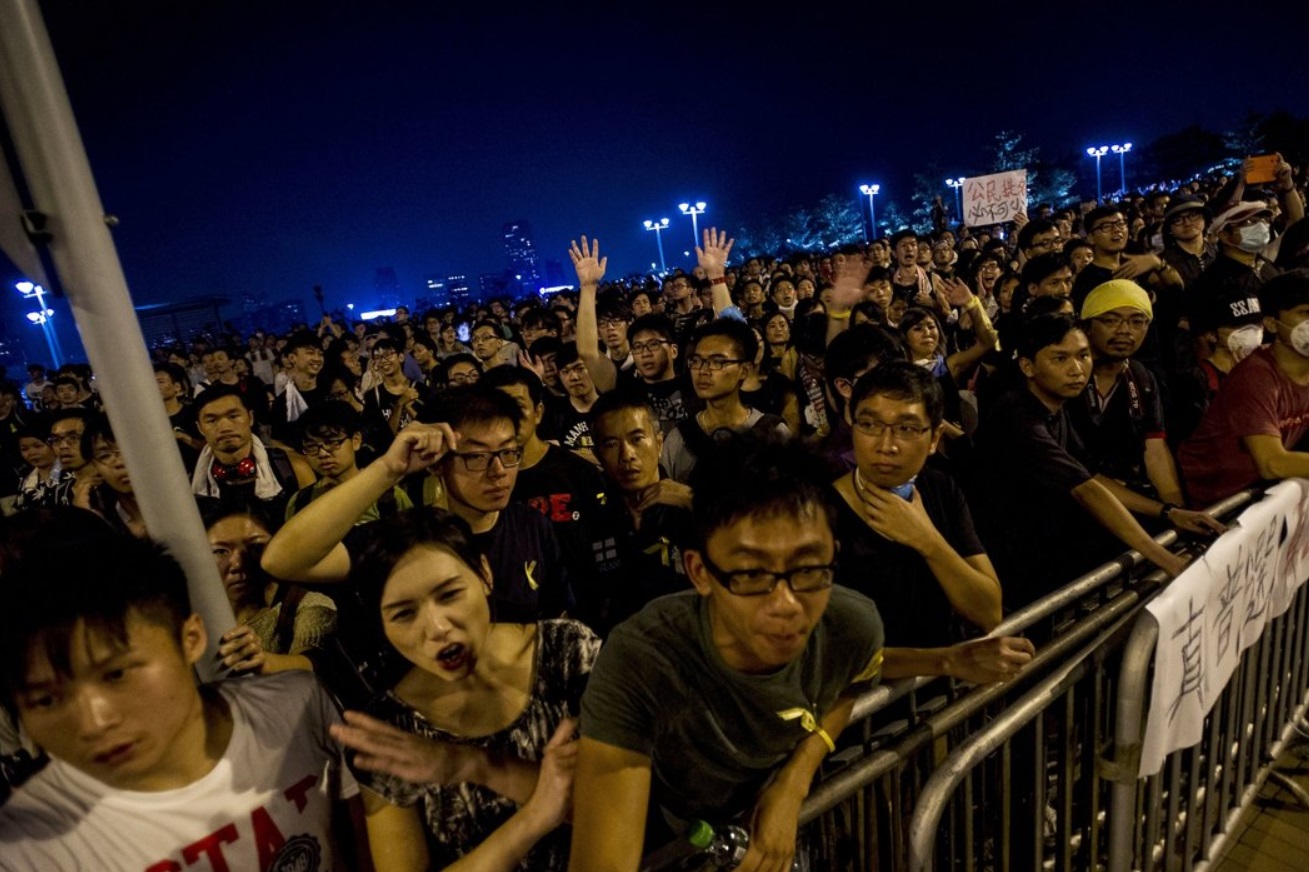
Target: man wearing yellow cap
[1120,415]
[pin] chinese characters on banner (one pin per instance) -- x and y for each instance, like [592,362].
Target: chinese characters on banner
[1216,609]
[995,199]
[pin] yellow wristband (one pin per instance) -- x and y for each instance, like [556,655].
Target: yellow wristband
[840,316]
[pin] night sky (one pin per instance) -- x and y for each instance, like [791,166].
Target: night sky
[268,147]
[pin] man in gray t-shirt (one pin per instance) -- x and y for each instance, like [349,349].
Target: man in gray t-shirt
[722,702]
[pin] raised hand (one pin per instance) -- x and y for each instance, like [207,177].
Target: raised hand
[848,282]
[418,446]
[587,261]
[957,292]
[712,257]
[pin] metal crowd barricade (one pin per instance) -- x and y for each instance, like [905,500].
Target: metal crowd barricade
[1181,817]
[858,814]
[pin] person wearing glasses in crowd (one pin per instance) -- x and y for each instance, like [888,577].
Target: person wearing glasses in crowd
[722,354]
[1106,228]
[395,400]
[332,434]
[77,475]
[462,370]
[907,536]
[719,703]
[490,347]
[477,465]
[654,351]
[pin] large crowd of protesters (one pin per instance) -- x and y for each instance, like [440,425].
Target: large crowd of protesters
[695,514]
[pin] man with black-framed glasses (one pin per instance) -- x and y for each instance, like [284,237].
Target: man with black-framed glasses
[720,703]
[722,355]
[331,434]
[468,463]
[1107,231]
[907,536]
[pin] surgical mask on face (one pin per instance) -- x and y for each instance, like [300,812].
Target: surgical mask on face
[1244,340]
[1254,238]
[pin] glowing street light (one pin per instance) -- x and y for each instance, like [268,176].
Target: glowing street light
[42,316]
[870,191]
[958,198]
[659,227]
[1121,151]
[693,211]
[1097,153]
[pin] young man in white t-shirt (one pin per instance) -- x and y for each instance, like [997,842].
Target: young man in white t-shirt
[149,771]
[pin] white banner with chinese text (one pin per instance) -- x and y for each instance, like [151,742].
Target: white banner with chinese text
[1219,607]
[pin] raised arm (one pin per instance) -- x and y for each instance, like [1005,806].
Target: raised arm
[308,548]
[590,268]
[713,260]
[847,290]
[958,294]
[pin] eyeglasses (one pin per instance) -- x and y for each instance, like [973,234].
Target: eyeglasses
[463,378]
[327,446]
[761,582]
[899,432]
[384,354]
[648,347]
[56,439]
[1187,217]
[480,461]
[484,337]
[1110,225]
[713,364]
[1115,322]
[339,395]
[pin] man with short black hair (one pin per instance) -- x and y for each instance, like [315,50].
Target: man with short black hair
[331,436]
[147,770]
[305,352]
[235,464]
[720,703]
[1106,228]
[1034,484]
[77,475]
[474,455]
[722,353]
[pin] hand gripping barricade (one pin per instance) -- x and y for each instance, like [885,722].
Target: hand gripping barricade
[1038,798]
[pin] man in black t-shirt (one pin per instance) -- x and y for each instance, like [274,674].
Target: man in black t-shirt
[302,389]
[906,533]
[475,451]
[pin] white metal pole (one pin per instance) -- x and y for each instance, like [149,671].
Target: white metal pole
[54,162]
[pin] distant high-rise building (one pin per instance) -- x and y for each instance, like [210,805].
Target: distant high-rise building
[457,291]
[437,291]
[521,252]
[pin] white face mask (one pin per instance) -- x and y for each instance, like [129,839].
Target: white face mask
[1254,238]
[1157,242]
[1299,337]
[1244,340]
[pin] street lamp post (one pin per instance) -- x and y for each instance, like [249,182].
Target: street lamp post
[693,211]
[1097,153]
[1121,151]
[958,198]
[659,227]
[42,317]
[870,191]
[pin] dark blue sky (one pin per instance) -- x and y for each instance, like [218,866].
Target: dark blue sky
[269,147]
